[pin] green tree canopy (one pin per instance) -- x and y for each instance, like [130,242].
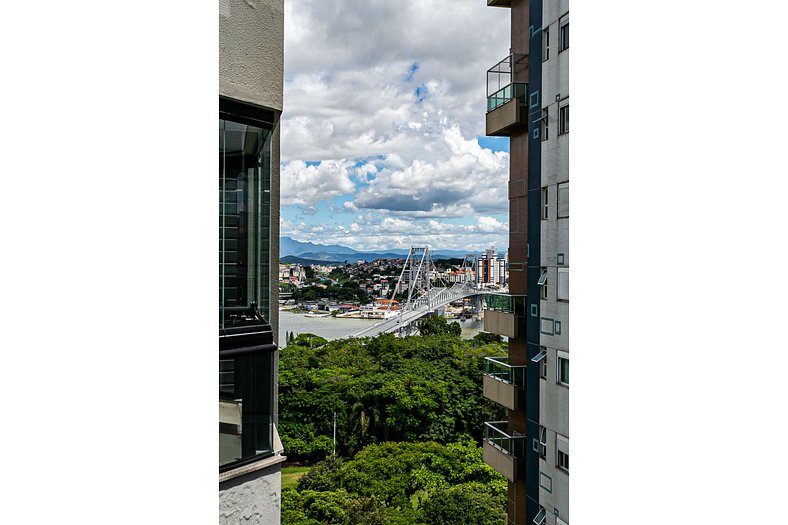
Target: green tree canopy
[382,389]
[405,483]
[436,325]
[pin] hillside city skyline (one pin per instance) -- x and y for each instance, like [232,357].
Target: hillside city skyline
[288,246]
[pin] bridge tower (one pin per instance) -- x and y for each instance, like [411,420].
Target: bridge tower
[468,268]
[416,275]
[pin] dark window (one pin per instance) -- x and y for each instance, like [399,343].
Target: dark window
[246,349]
[244,216]
[562,452]
[563,460]
[563,120]
[544,124]
[245,406]
[563,370]
[563,37]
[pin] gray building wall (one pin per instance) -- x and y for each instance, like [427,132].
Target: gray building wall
[251,51]
[251,70]
[252,498]
[554,337]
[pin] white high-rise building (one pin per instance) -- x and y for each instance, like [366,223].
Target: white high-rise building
[490,270]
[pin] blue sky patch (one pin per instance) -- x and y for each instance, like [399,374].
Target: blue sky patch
[414,67]
[421,93]
[494,143]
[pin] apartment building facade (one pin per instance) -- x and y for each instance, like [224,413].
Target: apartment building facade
[490,270]
[528,101]
[251,63]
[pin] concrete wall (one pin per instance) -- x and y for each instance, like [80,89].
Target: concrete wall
[500,323]
[251,51]
[504,394]
[252,499]
[502,462]
[503,117]
[553,396]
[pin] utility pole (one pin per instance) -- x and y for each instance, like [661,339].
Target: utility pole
[335,434]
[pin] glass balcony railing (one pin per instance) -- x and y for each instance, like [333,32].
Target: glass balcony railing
[512,304]
[499,368]
[496,435]
[518,90]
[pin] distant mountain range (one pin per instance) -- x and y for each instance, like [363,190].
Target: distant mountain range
[290,250]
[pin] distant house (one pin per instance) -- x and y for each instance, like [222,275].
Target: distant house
[384,303]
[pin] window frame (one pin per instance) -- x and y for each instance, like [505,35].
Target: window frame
[544,124]
[563,119]
[543,283]
[562,460]
[559,187]
[545,204]
[559,296]
[562,456]
[563,37]
[543,513]
[545,45]
[542,442]
[562,357]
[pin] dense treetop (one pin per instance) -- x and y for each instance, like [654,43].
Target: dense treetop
[409,414]
[421,388]
[400,483]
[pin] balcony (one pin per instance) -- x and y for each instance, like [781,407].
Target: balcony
[503,313]
[246,389]
[499,3]
[507,94]
[504,383]
[503,451]
[515,90]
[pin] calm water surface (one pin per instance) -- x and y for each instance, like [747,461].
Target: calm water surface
[333,328]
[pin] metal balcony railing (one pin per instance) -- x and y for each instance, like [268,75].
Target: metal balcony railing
[499,368]
[505,81]
[496,435]
[502,302]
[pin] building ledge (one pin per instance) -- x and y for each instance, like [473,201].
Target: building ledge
[501,392]
[501,323]
[251,467]
[501,120]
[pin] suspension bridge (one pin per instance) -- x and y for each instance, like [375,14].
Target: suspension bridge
[423,296]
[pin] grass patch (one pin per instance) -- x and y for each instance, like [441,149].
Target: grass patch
[290,475]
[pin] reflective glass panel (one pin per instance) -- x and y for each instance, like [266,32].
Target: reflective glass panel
[244,216]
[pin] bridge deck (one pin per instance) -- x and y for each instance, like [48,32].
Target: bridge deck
[437,298]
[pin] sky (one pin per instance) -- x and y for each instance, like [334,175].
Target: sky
[382,134]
